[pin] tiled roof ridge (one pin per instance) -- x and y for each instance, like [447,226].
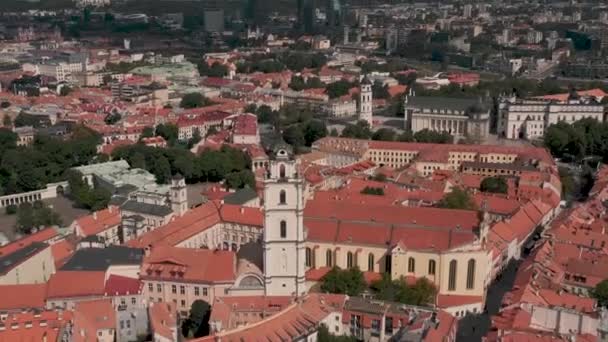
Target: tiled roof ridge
[258,323]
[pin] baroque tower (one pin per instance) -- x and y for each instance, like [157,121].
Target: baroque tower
[179,195]
[284,251]
[365,101]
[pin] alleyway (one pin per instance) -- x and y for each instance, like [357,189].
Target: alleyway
[474,327]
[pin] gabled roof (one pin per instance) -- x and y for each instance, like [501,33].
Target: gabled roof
[73,284]
[189,265]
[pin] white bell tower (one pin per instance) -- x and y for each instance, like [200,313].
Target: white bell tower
[179,195]
[365,101]
[284,251]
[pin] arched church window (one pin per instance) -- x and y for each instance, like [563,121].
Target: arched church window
[283,229]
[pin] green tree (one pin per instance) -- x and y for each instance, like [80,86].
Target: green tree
[65,90]
[422,292]
[162,170]
[428,136]
[147,132]
[600,293]
[193,100]
[35,215]
[314,130]
[339,88]
[85,196]
[265,114]
[350,281]
[360,130]
[169,132]
[197,323]
[379,91]
[457,199]
[384,134]
[334,132]
[495,185]
[240,179]
[294,136]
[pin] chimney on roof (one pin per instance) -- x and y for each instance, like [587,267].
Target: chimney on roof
[94,215]
[242,210]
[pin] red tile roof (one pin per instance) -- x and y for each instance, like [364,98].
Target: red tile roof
[62,251]
[193,222]
[45,235]
[189,265]
[122,286]
[73,284]
[99,221]
[447,301]
[92,316]
[163,319]
[22,296]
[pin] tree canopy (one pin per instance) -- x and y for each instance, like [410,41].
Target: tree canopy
[350,281]
[360,130]
[27,168]
[420,293]
[194,100]
[36,215]
[584,137]
[227,163]
[428,136]
[197,323]
[85,196]
[600,293]
[457,199]
[496,185]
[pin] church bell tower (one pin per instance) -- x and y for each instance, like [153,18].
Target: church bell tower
[284,251]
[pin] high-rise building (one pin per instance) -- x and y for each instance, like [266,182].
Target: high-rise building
[284,249]
[306,15]
[334,13]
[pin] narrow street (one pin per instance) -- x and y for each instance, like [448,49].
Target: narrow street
[474,327]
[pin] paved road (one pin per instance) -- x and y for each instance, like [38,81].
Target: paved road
[473,327]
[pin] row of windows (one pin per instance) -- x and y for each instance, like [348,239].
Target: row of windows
[182,289]
[470,275]
[330,262]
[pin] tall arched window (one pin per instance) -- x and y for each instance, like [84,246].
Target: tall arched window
[349,260]
[432,267]
[283,229]
[411,265]
[370,262]
[282,197]
[282,171]
[471,274]
[329,262]
[452,276]
[308,257]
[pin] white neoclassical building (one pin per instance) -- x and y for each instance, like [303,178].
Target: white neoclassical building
[529,119]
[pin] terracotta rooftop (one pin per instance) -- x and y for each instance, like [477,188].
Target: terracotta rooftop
[189,265]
